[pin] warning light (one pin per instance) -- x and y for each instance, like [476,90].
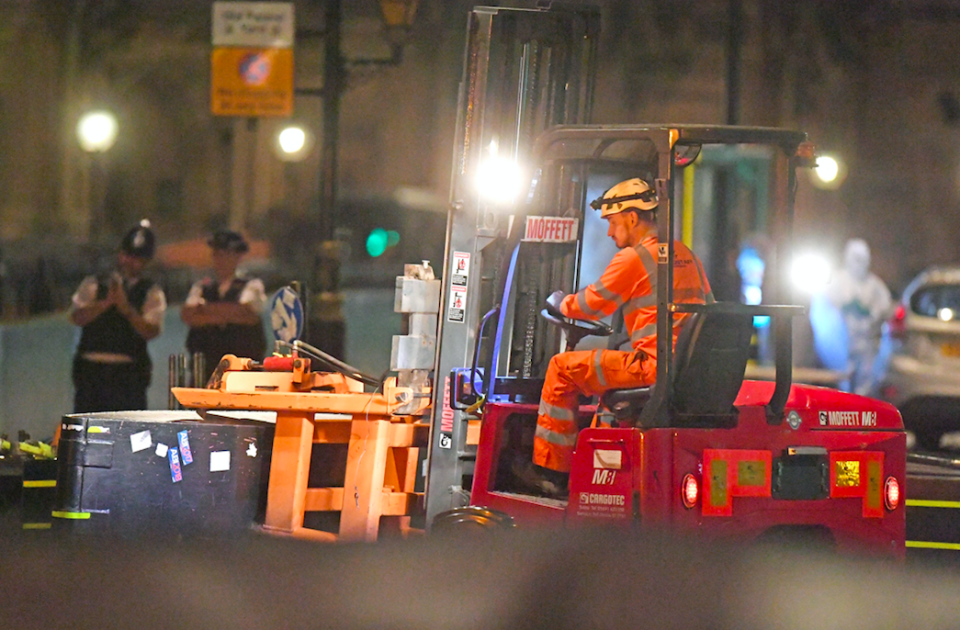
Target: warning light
[891,493]
[689,491]
[379,240]
[898,325]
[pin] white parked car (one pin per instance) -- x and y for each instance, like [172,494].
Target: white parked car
[923,378]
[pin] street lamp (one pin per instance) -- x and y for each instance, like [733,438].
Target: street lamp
[829,173]
[293,143]
[96,133]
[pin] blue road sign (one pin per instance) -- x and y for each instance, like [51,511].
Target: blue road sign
[286,315]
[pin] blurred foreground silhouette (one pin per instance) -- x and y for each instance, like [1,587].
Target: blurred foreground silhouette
[553,579]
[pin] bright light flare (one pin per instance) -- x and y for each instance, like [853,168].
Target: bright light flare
[945,314]
[292,139]
[293,143]
[827,169]
[97,131]
[810,273]
[829,173]
[498,180]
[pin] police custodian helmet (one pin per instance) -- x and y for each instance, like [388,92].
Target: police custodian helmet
[229,241]
[139,241]
[631,193]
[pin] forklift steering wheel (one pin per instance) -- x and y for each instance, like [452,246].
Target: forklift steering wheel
[578,327]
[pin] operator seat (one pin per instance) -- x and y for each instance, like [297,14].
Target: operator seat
[710,359]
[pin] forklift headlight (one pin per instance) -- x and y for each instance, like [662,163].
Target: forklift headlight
[499,180]
[810,273]
[689,491]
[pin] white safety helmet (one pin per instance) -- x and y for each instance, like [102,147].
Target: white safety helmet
[631,193]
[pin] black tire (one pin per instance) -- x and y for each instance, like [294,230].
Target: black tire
[470,519]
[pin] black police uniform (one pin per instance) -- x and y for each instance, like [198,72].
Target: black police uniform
[214,341]
[113,386]
[116,385]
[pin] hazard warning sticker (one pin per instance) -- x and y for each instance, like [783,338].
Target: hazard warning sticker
[457,305]
[663,252]
[461,268]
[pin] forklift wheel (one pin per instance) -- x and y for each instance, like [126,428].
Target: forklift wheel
[469,519]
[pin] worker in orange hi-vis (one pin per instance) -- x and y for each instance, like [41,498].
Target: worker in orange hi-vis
[630,280]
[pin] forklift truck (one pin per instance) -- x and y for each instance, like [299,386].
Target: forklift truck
[703,449]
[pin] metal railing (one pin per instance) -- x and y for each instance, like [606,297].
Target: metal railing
[184,370]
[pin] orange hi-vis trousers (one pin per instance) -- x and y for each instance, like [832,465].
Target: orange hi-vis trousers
[570,375]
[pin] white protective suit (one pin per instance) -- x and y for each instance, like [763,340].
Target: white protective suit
[863,302]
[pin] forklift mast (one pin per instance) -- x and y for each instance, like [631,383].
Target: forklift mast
[525,70]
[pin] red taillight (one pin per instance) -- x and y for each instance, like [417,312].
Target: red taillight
[689,491]
[898,321]
[891,493]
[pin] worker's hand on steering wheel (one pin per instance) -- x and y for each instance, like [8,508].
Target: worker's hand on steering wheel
[555,299]
[576,328]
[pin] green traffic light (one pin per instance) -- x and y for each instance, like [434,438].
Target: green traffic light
[377,242]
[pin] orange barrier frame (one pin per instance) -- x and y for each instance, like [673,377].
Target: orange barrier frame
[382,450]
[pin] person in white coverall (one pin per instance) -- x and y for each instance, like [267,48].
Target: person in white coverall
[862,301]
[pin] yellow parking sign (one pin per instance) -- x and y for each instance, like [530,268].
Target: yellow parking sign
[251,82]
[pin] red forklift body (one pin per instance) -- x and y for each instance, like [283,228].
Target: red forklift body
[825,474]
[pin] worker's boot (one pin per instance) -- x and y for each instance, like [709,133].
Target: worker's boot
[542,481]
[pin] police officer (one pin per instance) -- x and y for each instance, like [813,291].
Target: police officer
[119,313]
[630,280]
[223,312]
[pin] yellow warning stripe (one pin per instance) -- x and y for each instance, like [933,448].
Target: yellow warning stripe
[37,525]
[933,504]
[41,483]
[924,544]
[74,515]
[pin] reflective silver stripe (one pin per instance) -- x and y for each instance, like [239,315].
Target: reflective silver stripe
[699,265]
[607,294]
[557,413]
[582,303]
[560,439]
[646,331]
[597,356]
[708,298]
[642,301]
[649,265]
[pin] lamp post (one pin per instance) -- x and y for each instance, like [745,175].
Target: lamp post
[96,133]
[325,326]
[293,144]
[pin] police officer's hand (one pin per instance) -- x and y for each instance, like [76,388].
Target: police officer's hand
[120,300]
[113,290]
[555,298]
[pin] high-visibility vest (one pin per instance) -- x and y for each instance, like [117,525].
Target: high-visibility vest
[630,280]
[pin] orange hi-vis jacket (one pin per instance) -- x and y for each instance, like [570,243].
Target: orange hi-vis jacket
[630,280]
